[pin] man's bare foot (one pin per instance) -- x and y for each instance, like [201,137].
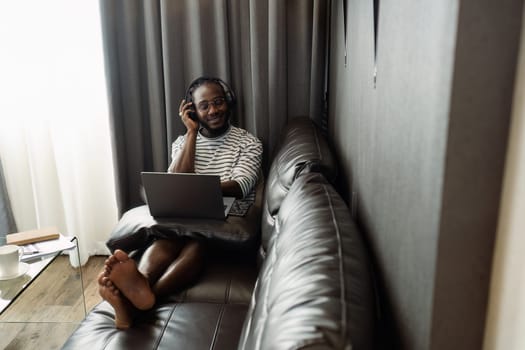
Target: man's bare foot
[123,308]
[123,272]
[108,263]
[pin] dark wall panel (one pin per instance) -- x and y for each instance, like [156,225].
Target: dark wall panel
[488,36]
[399,142]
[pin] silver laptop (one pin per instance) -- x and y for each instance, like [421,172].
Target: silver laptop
[185,195]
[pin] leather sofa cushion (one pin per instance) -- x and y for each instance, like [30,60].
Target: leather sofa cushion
[302,149]
[315,288]
[207,315]
[188,325]
[228,281]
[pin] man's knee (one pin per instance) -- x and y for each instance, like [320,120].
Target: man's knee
[167,248]
[194,249]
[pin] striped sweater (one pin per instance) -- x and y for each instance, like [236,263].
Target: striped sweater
[235,155]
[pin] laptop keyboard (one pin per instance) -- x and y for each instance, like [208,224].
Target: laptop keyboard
[240,207]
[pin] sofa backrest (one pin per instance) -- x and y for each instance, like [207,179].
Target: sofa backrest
[315,286]
[302,149]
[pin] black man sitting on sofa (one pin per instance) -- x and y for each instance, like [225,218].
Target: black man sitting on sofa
[210,146]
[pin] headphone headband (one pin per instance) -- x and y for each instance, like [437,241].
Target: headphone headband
[228,92]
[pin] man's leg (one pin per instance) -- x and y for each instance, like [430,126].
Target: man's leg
[165,266]
[182,271]
[159,256]
[135,282]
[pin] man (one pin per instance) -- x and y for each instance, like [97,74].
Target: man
[210,146]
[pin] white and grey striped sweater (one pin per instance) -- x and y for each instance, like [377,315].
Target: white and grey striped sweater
[235,155]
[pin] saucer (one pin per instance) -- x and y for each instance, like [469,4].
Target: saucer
[22,269]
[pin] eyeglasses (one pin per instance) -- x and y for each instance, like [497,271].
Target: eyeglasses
[205,105]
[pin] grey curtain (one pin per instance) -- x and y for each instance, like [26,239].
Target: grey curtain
[7,222]
[272,53]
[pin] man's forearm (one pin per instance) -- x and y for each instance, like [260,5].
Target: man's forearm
[231,189]
[185,163]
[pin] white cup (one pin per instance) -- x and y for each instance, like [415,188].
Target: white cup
[10,260]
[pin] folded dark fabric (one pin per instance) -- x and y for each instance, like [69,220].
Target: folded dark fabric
[137,229]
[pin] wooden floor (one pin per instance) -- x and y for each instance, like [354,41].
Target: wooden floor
[47,312]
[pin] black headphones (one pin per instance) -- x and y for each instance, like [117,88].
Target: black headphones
[228,93]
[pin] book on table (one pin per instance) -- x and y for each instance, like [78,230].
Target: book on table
[32,236]
[40,243]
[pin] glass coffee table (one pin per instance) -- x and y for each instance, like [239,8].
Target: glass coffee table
[59,287]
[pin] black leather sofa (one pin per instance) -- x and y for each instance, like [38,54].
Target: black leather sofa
[303,282]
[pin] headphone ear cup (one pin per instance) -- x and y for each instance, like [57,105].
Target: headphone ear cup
[188,97]
[228,93]
[230,97]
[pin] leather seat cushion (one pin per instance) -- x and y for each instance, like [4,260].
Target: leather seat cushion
[207,315]
[188,325]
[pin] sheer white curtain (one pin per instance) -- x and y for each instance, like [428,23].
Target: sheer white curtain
[54,127]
